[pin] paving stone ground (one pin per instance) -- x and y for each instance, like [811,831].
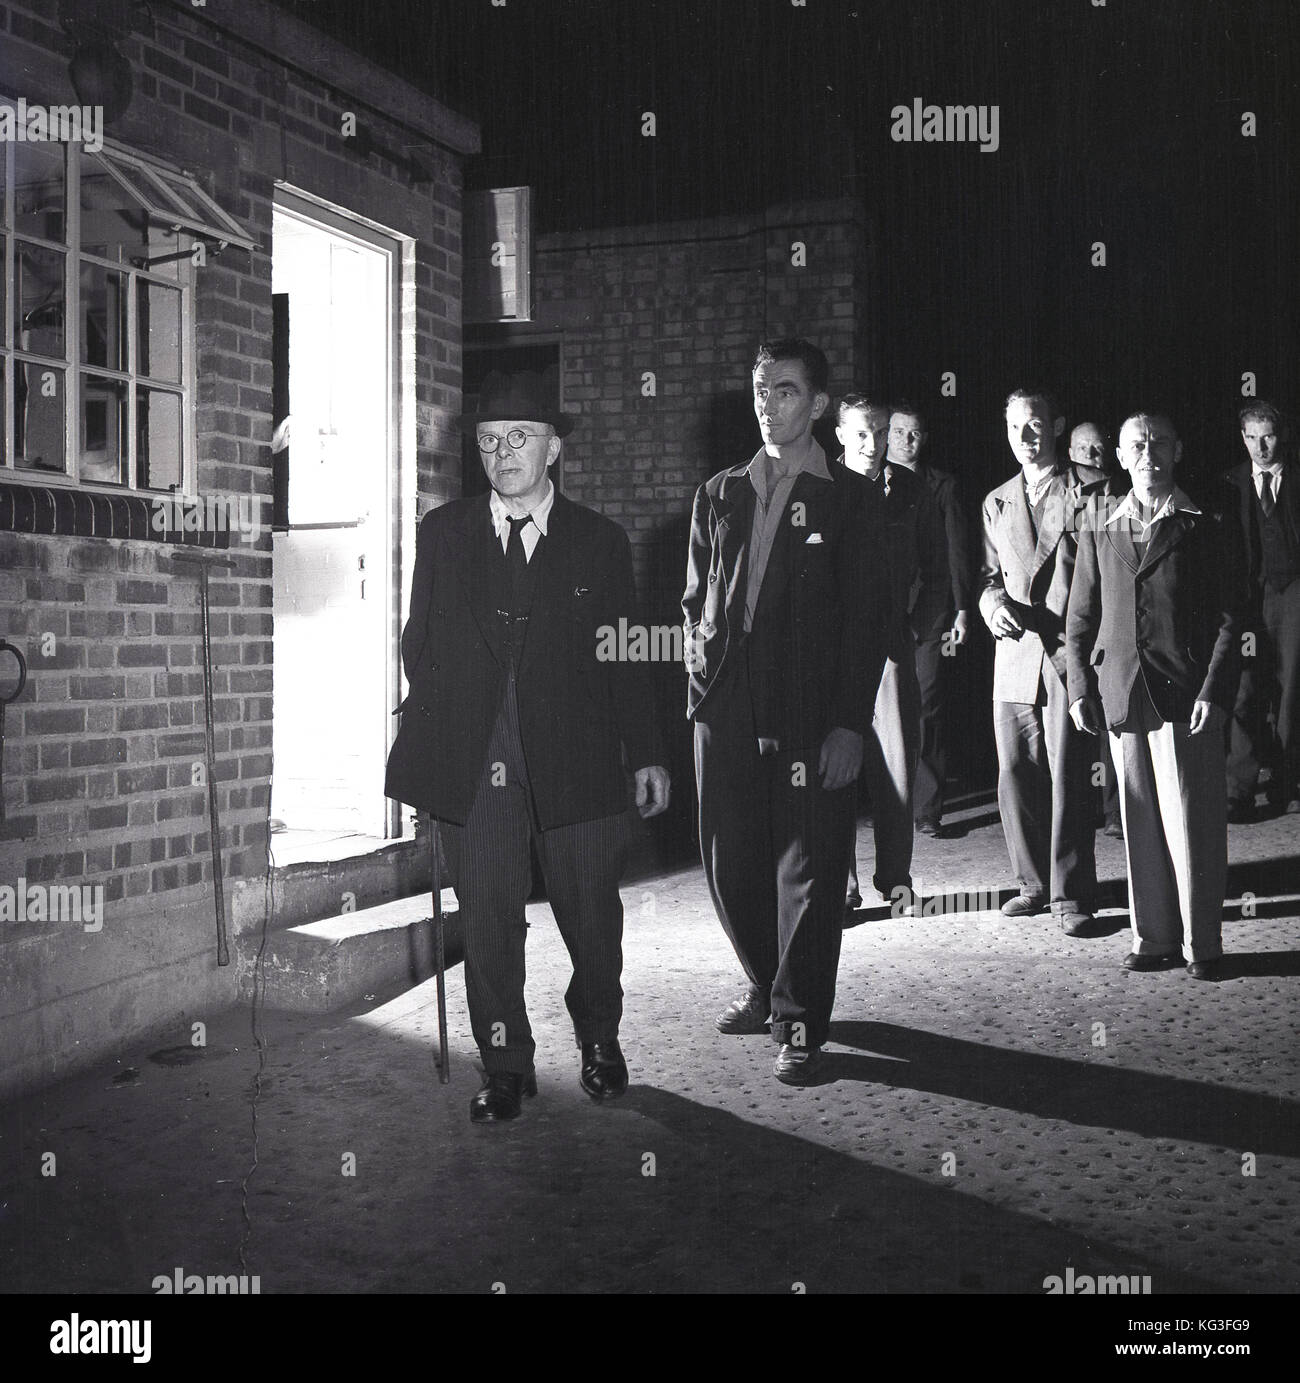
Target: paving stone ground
[1000,1103]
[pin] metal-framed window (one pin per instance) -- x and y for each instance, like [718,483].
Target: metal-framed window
[98,343]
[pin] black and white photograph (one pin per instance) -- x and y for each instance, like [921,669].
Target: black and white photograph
[649,648]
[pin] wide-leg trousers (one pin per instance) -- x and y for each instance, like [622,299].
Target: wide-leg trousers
[1174,802]
[1045,797]
[775,847]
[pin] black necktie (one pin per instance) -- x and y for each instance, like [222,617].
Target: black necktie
[516,558]
[1266,493]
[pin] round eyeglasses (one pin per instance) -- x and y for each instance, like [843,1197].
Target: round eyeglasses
[488,442]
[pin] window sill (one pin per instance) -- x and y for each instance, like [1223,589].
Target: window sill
[59,511]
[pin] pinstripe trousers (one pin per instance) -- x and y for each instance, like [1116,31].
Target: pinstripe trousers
[490,863]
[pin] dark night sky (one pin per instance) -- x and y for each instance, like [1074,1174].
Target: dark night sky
[1120,123]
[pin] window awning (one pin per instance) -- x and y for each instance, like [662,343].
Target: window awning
[174,200]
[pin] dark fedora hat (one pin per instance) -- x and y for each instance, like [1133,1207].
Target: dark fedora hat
[525,396]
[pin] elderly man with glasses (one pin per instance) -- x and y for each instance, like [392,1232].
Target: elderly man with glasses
[516,731]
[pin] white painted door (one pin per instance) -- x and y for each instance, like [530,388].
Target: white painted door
[333,636]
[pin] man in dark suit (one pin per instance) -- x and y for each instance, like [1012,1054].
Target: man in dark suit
[905,525]
[939,632]
[784,655]
[1153,622]
[515,730]
[1044,765]
[1265,501]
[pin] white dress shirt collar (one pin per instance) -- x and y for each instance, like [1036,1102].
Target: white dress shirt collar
[1127,509]
[540,516]
[1274,470]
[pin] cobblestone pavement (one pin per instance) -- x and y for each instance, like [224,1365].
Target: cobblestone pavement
[1000,1103]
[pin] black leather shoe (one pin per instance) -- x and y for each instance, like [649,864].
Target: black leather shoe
[500,1097]
[1133,961]
[797,1065]
[1206,969]
[1024,905]
[1077,923]
[604,1072]
[1115,828]
[927,826]
[747,1014]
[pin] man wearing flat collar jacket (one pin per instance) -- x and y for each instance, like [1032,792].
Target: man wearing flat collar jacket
[1153,621]
[1044,764]
[784,654]
[516,730]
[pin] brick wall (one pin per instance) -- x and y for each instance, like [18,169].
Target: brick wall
[100,750]
[689,302]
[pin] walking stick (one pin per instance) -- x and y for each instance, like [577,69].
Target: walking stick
[439,949]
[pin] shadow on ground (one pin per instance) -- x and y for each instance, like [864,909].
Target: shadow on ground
[1076,1092]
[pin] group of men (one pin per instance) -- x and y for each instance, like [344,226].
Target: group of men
[823,600]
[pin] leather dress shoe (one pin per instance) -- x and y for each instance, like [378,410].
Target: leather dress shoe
[1077,923]
[1024,905]
[797,1065]
[1292,808]
[500,1097]
[1114,828]
[927,826]
[604,1072]
[1206,969]
[748,1014]
[1134,961]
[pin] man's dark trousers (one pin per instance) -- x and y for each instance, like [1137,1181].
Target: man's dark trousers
[491,870]
[776,859]
[932,760]
[1270,675]
[1273,674]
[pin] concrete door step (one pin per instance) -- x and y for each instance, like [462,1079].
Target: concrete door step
[317,967]
[309,889]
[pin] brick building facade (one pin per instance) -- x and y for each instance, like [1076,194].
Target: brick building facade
[103,778]
[263,119]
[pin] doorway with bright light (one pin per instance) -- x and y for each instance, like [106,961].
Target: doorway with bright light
[336,581]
